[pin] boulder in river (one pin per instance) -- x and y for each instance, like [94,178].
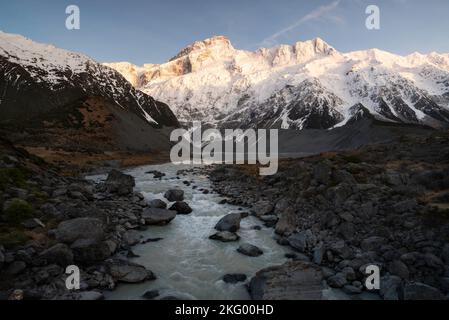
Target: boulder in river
[118,182]
[225,236]
[174,195]
[230,222]
[157,203]
[249,250]
[154,216]
[181,207]
[295,280]
[128,272]
[234,278]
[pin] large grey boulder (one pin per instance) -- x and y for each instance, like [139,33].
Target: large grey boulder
[174,195]
[80,228]
[59,254]
[157,203]
[118,182]
[132,237]
[128,272]
[155,216]
[294,280]
[225,236]
[249,250]
[181,207]
[230,222]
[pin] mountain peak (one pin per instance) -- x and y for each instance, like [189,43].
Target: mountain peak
[218,42]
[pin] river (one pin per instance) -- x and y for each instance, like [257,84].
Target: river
[187,263]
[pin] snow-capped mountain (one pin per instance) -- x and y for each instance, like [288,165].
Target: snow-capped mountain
[36,78]
[67,99]
[306,85]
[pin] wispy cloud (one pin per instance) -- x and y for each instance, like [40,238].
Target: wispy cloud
[318,13]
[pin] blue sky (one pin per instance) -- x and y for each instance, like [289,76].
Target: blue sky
[152,31]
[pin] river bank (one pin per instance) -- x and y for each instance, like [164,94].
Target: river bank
[383,205]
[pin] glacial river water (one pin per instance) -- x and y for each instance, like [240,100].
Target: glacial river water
[188,264]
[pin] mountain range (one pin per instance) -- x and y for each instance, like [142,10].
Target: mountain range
[62,99]
[307,85]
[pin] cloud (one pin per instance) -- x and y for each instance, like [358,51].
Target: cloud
[320,12]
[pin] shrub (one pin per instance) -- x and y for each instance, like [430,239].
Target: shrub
[17,211]
[12,176]
[10,238]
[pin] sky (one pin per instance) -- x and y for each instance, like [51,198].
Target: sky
[153,31]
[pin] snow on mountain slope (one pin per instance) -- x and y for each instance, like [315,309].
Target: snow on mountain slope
[305,85]
[38,78]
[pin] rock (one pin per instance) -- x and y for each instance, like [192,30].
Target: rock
[318,253]
[80,228]
[230,222]
[421,291]
[249,250]
[350,289]
[128,272]
[174,195]
[293,280]
[15,268]
[405,206]
[157,203]
[349,273]
[234,278]
[390,287]
[270,220]
[131,237]
[262,208]
[399,268]
[154,216]
[90,296]
[151,294]
[225,236]
[59,254]
[156,174]
[346,230]
[152,240]
[302,241]
[33,223]
[286,223]
[372,243]
[337,281]
[118,182]
[433,261]
[90,250]
[181,207]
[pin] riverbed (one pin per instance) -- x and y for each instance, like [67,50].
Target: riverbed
[189,265]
